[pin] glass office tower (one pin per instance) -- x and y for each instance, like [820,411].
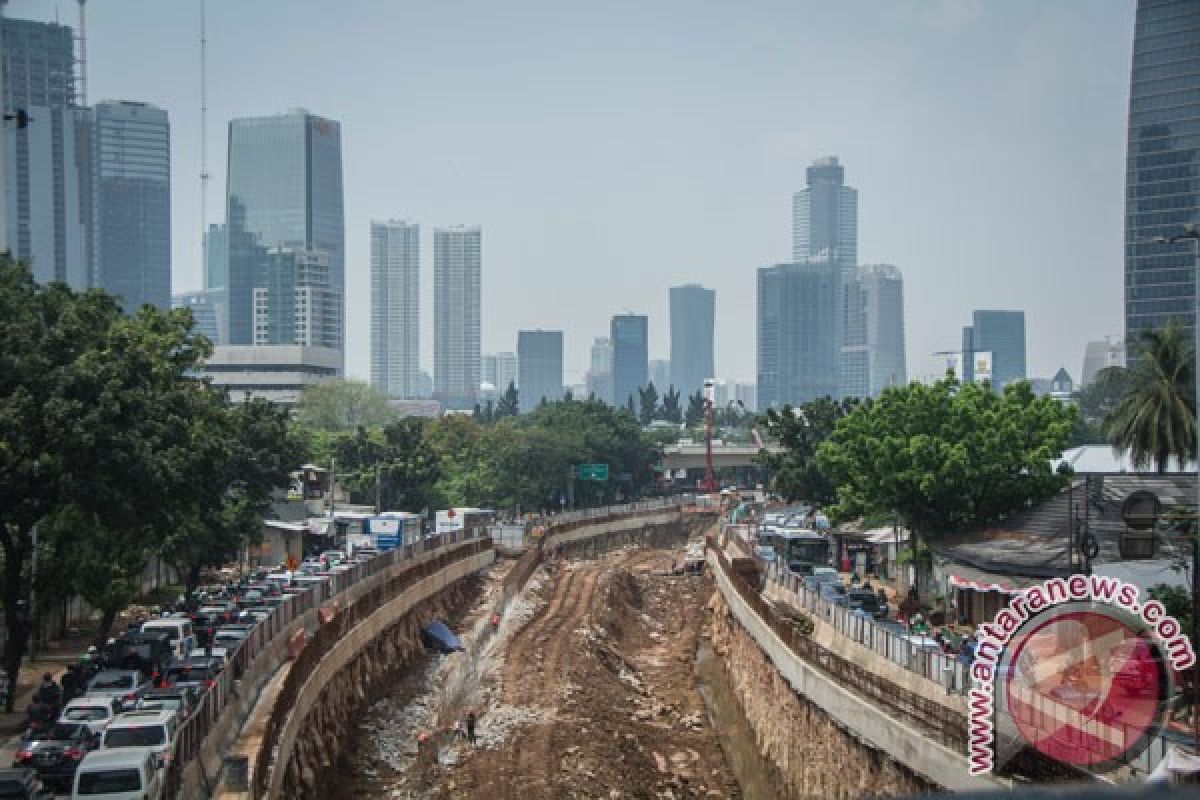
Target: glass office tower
[284,189]
[630,357]
[1162,177]
[131,203]
[693,310]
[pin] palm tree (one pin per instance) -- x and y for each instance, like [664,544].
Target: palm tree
[1156,418]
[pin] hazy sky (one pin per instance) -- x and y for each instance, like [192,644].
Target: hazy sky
[613,149]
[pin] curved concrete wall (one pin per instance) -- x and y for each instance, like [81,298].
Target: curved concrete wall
[931,760]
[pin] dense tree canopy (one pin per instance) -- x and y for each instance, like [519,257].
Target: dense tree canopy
[800,431]
[112,449]
[342,405]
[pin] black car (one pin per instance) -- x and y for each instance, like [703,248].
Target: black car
[196,670]
[146,651]
[866,600]
[180,699]
[55,754]
[804,568]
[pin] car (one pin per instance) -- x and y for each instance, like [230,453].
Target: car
[333,556]
[126,685]
[834,593]
[132,773]
[865,600]
[95,712]
[23,784]
[152,728]
[802,568]
[180,699]
[198,671]
[821,576]
[221,654]
[179,631]
[55,754]
[231,637]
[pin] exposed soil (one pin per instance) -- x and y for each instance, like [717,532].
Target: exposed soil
[607,661]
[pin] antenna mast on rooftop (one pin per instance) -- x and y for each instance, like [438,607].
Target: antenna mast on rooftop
[204,141]
[83,53]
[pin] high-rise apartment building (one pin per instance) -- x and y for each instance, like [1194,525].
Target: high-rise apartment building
[1109,352]
[872,330]
[297,303]
[395,308]
[1002,335]
[599,376]
[693,312]
[629,335]
[825,215]
[1162,176]
[130,146]
[283,190]
[457,279]
[500,369]
[540,367]
[44,165]
[799,332]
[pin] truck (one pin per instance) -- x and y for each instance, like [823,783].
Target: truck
[457,519]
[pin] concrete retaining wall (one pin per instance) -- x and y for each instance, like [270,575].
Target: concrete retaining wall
[929,760]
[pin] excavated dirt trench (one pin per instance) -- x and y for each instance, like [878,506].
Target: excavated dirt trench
[587,689]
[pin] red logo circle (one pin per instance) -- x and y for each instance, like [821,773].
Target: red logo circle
[1086,687]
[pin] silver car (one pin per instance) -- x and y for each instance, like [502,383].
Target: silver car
[126,685]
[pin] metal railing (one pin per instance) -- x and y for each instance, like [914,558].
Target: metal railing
[937,721]
[215,701]
[904,649]
[333,631]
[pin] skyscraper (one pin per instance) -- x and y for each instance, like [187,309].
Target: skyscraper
[201,305]
[131,203]
[215,257]
[1162,174]
[693,309]
[873,331]
[45,163]
[659,373]
[825,215]
[599,376]
[1002,334]
[395,308]
[540,367]
[500,369]
[799,332]
[284,189]
[630,357]
[1109,352]
[457,276]
[297,302]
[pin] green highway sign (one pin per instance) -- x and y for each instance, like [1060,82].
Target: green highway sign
[593,472]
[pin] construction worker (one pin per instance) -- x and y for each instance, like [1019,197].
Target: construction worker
[471,726]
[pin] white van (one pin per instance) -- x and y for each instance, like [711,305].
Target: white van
[178,630]
[130,773]
[151,729]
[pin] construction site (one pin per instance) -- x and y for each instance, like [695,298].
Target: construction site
[589,685]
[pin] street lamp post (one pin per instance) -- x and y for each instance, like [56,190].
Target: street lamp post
[1192,233]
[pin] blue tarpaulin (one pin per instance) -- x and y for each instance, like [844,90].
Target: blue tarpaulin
[441,638]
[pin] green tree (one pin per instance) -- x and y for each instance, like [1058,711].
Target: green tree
[946,456]
[795,474]
[1155,419]
[696,410]
[647,403]
[508,407]
[343,405]
[672,410]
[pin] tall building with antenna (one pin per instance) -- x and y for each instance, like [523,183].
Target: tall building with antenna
[44,167]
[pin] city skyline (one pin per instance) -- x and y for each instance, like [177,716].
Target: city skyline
[1042,78]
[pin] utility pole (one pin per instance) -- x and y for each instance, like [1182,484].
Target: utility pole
[378,503]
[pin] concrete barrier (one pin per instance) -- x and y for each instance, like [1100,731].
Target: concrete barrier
[870,724]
